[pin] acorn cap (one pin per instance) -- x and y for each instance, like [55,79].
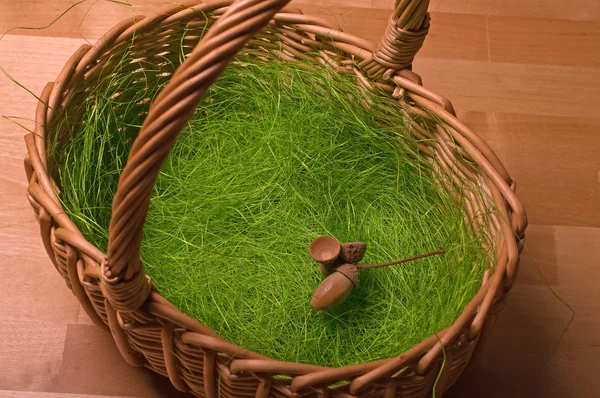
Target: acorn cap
[353,252]
[325,249]
[351,272]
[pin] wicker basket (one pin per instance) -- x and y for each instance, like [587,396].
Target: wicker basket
[118,296]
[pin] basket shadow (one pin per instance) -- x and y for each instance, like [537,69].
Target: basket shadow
[514,361]
[92,365]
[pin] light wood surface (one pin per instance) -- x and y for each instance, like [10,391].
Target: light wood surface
[525,74]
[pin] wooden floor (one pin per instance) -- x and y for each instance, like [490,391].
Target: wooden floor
[525,74]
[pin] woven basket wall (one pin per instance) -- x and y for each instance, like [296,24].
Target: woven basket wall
[119,297]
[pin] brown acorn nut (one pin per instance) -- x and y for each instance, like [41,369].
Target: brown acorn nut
[335,288]
[345,278]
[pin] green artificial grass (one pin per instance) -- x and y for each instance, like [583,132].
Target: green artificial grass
[277,154]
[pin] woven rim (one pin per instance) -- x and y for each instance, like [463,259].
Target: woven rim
[113,288]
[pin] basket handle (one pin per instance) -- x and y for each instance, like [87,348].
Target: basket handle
[124,282]
[403,37]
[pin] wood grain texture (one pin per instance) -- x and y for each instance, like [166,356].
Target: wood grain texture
[83,318]
[31,352]
[533,40]
[575,10]
[25,394]
[555,188]
[548,90]
[523,73]
[92,365]
[531,325]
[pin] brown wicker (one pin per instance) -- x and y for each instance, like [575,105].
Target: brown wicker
[118,296]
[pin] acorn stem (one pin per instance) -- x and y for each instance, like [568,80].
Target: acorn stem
[435,253]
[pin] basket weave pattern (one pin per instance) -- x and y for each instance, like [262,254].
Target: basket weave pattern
[113,289]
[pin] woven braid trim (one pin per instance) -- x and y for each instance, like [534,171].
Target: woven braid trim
[125,295]
[398,47]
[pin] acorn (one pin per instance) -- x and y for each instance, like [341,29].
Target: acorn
[335,288]
[340,262]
